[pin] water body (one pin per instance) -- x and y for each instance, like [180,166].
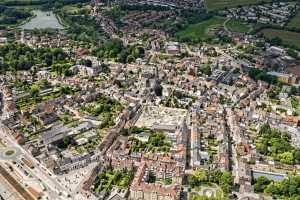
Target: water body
[42,20]
[268,175]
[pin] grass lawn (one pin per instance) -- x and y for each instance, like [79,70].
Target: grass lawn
[70,9]
[74,9]
[288,37]
[202,30]
[238,26]
[222,4]
[295,21]
[9,152]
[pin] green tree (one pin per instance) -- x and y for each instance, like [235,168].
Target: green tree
[292,53]
[297,155]
[34,91]
[226,181]
[66,141]
[272,189]
[262,148]
[276,41]
[45,83]
[295,90]
[193,181]
[200,175]
[287,158]
[206,70]
[261,183]
[48,59]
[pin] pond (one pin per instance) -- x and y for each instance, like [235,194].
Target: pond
[42,20]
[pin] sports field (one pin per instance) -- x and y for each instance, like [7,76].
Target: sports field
[222,4]
[202,30]
[288,37]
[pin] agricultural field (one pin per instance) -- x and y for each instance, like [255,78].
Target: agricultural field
[238,26]
[295,21]
[288,37]
[201,31]
[222,4]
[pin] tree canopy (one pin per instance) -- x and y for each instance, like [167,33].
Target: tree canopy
[288,188]
[272,142]
[12,16]
[114,49]
[21,57]
[257,74]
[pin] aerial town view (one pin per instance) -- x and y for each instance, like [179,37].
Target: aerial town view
[149,99]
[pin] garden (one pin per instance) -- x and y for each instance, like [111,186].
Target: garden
[157,142]
[104,109]
[210,184]
[112,178]
[276,144]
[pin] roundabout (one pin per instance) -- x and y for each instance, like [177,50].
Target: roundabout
[8,153]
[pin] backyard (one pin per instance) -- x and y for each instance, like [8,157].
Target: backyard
[112,178]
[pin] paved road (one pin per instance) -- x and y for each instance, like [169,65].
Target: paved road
[225,27]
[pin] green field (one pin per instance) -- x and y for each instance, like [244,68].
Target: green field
[288,37]
[202,30]
[238,26]
[221,4]
[71,9]
[22,2]
[295,21]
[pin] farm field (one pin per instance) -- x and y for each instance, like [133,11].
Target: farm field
[238,26]
[221,4]
[295,21]
[22,2]
[202,30]
[288,37]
